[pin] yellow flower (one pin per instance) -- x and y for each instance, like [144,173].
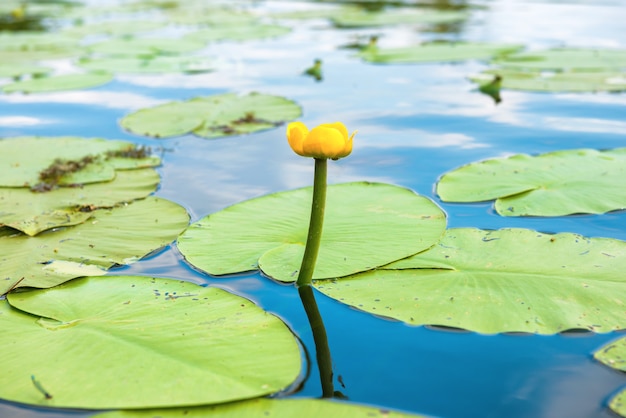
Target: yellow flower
[329,140]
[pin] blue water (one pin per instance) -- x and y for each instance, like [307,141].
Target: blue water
[415,123]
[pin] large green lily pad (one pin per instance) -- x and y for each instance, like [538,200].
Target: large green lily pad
[614,356]
[554,82]
[116,27]
[149,64]
[121,235]
[139,342]
[213,116]
[23,159]
[366,225]
[301,408]
[33,212]
[355,17]
[35,41]
[552,184]
[436,52]
[510,280]
[560,59]
[58,83]
[19,69]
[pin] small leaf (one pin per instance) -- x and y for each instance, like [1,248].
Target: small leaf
[59,83]
[436,52]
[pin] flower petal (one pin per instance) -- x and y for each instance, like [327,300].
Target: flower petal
[324,142]
[296,135]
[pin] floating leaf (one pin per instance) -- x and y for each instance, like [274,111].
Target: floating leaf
[213,116]
[139,342]
[33,212]
[121,235]
[356,17]
[555,82]
[366,225]
[116,28]
[614,356]
[150,64]
[552,184]
[145,47]
[35,41]
[23,159]
[238,32]
[301,408]
[20,69]
[567,59]
[206,14]
[59,82]
[436,52]
[510,280]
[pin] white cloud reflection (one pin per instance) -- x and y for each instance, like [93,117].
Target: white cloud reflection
[109,99]
[19,121]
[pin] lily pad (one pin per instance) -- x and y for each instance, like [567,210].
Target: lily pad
[509,280]
[206,14]
[33,212]
[23,159]
[560,59]
[36,41]
[116,28]
[301,408]
[555,82]
[121,235]
[59,83]
[436,52]
[614,356]
[366,225]
[139,342]
[238,32]
[145,47]
[213,116]
[356,17]
[552,184]
[150,64]
[14,70]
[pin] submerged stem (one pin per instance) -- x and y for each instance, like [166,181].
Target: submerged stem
[316,223]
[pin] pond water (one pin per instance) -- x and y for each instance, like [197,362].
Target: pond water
[415,123]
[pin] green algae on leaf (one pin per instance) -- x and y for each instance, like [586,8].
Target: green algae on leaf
[553,184]
[33,212]
[121,235]
[213,116]
[436,52]
[592,81]
[262,407]
[141,342]
[509,280]
[75,160]
[366,225]
[59,83]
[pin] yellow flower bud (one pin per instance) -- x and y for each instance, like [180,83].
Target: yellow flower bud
[328,140]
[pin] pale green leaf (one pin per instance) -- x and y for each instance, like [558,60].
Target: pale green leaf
[121,235]
[510,280]
[237,32]
[301,408]
[554,82]
[552,184]
[436,52]
[33,212]
[213,116]
[145,47]
[59,82]
[582,59]
[366,225]
[149,64]
[355,17]
[139,342]
[613,354]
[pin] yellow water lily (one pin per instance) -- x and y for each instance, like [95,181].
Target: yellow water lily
[328,140]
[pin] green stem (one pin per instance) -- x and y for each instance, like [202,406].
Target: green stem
[316,223]
[322,350]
